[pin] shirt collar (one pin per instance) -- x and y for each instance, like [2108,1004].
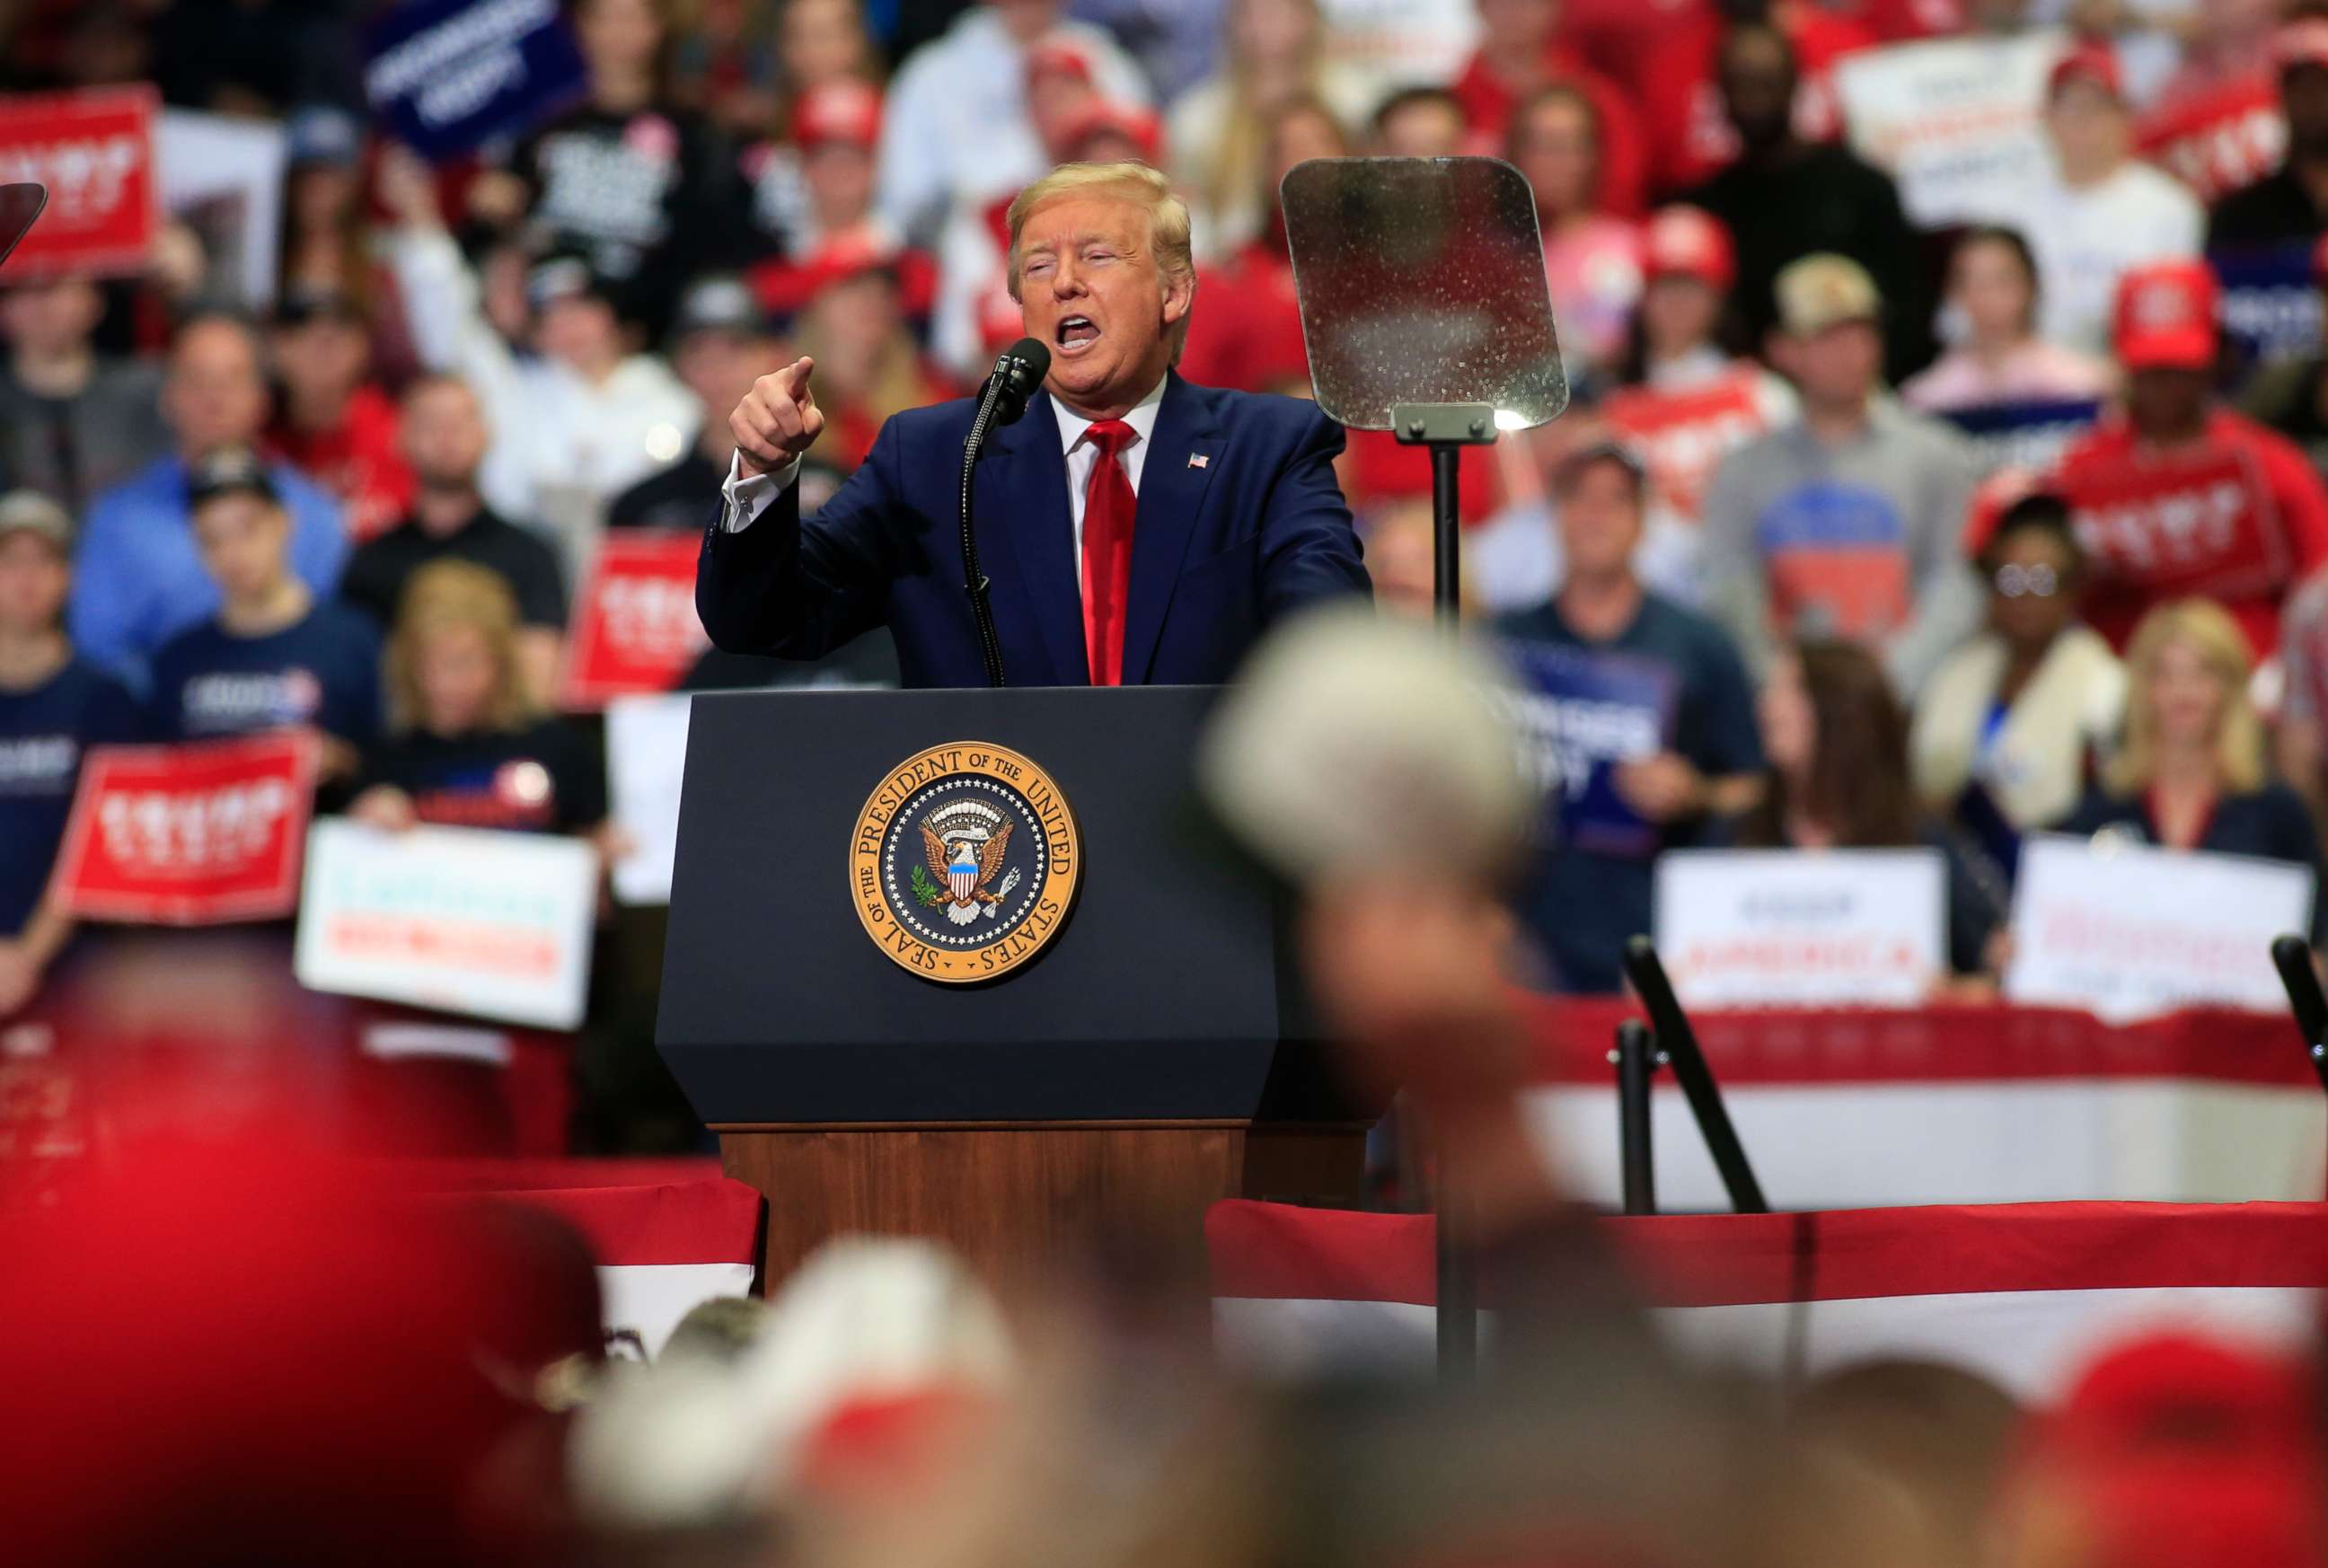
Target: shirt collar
[1141,419]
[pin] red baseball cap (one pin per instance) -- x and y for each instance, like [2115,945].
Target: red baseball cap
[2303,42]
[845,256]
[1135,124]
[2186,1452]
[1684,241]
[2091,62]
[2165,318]
[847,113]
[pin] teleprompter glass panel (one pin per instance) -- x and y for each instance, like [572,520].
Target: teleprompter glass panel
[19,205]
[1421,281]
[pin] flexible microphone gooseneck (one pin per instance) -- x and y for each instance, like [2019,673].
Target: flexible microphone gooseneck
[1018,371]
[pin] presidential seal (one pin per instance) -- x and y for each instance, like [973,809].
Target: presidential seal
[965,862]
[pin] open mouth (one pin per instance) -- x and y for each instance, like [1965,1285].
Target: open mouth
[1074,333]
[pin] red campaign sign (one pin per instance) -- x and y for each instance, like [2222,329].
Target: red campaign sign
[2221,140]
[635,631]
[1682,436]
[190,835]
[2166,526]
[94,151]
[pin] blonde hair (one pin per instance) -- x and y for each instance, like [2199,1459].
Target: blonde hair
[448,595]
[1168,219]
[2207,629]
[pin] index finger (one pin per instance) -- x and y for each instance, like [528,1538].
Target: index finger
[793,377]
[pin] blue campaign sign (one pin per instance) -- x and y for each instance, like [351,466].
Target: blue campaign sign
[2025,435]
[2270,308]
[1582,712]
[447,76]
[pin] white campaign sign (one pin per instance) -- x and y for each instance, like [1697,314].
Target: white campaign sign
[459,919]
[1955,121]
[223,177]
[2127,930]
[646,760]
[1781,928]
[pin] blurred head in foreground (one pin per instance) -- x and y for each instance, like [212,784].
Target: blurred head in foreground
[1369,761]
[2172,1451]
[233,1355]
[1937,1436]
[858,1380]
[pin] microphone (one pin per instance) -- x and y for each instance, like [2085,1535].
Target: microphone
[1018,370]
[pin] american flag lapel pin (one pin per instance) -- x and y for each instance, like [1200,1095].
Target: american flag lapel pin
[1198,460]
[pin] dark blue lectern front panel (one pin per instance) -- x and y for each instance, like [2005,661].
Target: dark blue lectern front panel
[1160,998]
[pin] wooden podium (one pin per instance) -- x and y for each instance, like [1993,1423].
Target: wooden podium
[1152,1058]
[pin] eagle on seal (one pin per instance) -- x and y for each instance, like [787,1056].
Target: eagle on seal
[964,868]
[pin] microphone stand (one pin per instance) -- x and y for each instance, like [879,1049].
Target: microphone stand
[974,582]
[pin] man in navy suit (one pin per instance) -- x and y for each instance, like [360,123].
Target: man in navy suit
[1138,528]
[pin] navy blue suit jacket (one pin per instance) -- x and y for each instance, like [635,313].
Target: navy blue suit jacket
[1221,548]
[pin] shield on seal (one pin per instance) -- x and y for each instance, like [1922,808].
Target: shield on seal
[961,870]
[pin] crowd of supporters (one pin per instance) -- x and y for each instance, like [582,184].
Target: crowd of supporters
[1961,472]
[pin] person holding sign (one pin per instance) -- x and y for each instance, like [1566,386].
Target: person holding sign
[1140,528]
[2010,729]
[1837,745]
[1642,716]
[2191,773]
[467,744]
[1688,400]
[54,705]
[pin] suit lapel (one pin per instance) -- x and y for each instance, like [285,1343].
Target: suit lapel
[1028,473]
[1171,494]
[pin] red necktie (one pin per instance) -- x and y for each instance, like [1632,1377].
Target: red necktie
[1108,505]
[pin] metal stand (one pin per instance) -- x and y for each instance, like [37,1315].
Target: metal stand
[2292,956]
[1446,429]
[1676,1046]
[1637,1058]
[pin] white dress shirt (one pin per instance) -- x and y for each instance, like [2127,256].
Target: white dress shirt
[748,495]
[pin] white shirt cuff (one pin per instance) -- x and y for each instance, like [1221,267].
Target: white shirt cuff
[748,495]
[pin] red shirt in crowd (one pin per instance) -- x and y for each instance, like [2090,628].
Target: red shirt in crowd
[2237,516]
[1682,433]
[787,285]
[1488,106]
[850,426]
[1248,334]
[1673,84]
[357,460]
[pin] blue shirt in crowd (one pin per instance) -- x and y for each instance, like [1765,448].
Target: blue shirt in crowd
[139,580]
[321,670]
[1669,682]
[43,734]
